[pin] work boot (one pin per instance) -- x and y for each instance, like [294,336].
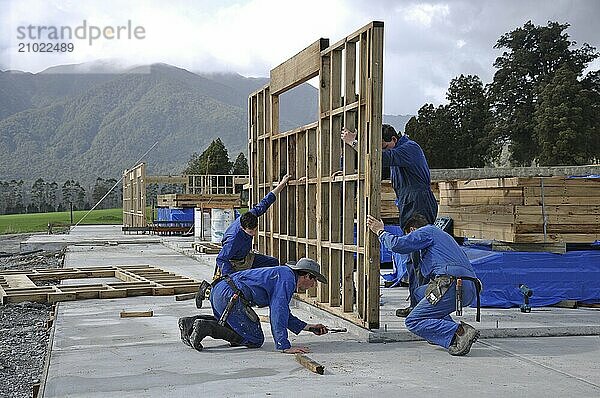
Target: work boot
[461,344]
[201,294]
[403,312]
[186,326]
[203,328]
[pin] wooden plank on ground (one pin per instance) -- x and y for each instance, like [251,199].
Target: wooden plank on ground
[136,314]
[310,364]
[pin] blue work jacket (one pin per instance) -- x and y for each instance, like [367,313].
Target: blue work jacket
[273,287]
[411,180]
[440,254]
[237,243]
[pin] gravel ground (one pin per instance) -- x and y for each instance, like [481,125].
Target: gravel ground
[23,333]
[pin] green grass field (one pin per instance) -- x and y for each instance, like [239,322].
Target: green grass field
[36,222]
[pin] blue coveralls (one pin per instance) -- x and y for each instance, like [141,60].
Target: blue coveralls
[440,255]
[273,287]
[411,180]
[237,243]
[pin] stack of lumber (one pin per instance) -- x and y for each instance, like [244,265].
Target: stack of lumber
[388,209]
[524,209]
[217,201]
[207,247]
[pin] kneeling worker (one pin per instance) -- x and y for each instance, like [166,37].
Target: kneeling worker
[235,321]
[444,263]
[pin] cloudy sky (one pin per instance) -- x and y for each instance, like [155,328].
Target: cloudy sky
[427,43]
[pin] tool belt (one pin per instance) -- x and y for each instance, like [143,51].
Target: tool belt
[238,295]
[441,284]
[244,263]
[237,265]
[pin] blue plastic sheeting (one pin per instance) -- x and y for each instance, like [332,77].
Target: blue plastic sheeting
[176,214]
[574,275]
[587,176]
[399,269]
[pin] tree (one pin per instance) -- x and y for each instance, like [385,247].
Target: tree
[151,193]
[240,166]
[38,195]
[434,131]
[51,196]
[73,193]
[4,192]
[113,198]
[468,108]
[99,191]
[214,160]
[532,57]
[15,204]
[563,124]
[591,90]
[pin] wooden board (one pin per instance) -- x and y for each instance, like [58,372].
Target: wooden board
[298,69]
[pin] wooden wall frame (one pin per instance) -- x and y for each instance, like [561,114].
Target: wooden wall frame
[134,197]
[199,189]
[333,187]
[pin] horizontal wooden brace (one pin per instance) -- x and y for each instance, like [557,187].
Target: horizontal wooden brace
[298,69]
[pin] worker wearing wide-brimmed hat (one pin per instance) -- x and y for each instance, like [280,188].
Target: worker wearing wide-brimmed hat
[272,287]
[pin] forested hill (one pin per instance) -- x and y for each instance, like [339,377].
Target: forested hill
[80,126]
[63,123]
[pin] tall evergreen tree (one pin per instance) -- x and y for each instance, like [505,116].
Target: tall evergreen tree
[591,90]
[563,123]
[38,195]
[240,166]
[532,56]
[51,196]
[434,131]
[469,111]
[73,193]
[214,160]
[99,191]
[16,205]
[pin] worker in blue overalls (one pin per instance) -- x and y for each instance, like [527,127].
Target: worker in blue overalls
[235,321]
[236,254]
[411,180]
[443,263]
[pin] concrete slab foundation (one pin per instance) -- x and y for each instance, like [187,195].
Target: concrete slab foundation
[95,353]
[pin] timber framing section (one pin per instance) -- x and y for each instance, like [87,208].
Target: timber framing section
[130,280]
[322,213]
[203,191]
[134,197]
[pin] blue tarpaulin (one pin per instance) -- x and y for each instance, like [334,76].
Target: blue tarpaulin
[176,214]
[574,275]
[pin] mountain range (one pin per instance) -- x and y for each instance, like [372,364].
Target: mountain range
[86,121]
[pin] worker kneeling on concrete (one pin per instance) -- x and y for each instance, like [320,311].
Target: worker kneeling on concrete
[236,322]
[444,263]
